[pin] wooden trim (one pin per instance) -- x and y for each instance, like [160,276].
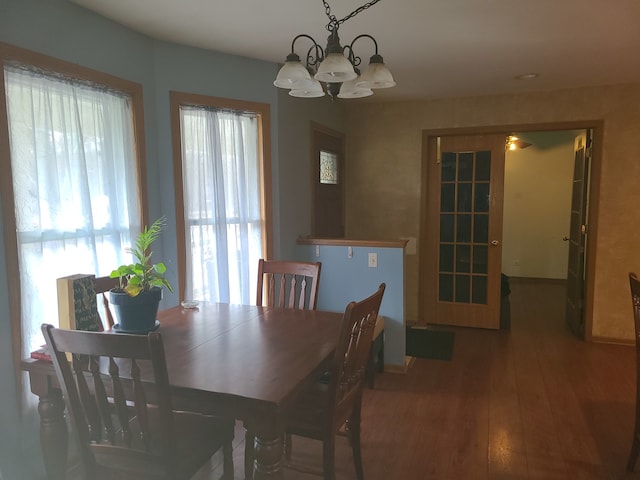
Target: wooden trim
[537,280]
[597,126]
[346,242]
[12,54]
[392,368]
[178,182]
[510,128]
[10,239]
[613,341]
[595,170]
[262,110]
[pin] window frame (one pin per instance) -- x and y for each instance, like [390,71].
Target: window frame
[262,111]
[10,54]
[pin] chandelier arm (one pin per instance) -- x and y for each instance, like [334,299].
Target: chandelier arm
[304,35]
[314,58]
[363,35]
[315,54]
[353,58]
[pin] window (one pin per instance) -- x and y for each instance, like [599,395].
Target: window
[73,182]
[328,168]
[219,159]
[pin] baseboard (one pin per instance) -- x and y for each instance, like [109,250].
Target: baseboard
[408,362]
[614,341]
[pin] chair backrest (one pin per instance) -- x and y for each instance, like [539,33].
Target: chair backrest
[288,284]
[348,370]
[108,424]
[102,287]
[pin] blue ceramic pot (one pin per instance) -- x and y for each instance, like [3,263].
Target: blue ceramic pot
[136,314]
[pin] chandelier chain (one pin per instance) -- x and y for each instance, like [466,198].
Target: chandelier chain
[334,22]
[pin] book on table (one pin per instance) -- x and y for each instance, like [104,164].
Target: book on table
[77,303]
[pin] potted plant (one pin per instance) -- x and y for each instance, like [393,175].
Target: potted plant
[136,299]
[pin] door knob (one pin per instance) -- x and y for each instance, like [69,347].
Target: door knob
[565,239]
[495,242]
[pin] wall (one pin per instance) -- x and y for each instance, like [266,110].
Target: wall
[293,192]
[346,277]
[537,206]
[384,168]
[63,30]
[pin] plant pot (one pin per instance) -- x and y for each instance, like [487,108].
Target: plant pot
[136,314]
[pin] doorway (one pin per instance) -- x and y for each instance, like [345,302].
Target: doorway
[327,183]
[431,315]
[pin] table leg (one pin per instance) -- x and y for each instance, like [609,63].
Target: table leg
[53,434]
[268,455]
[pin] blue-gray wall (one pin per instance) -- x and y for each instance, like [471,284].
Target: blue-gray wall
[68,32]
[346,276]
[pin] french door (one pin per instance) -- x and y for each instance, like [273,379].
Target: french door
[578,235]
[463,246]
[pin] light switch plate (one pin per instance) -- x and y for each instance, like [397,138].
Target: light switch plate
[373,260]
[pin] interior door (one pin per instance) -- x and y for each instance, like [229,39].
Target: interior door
[327,168]
[465,178]
[578,235]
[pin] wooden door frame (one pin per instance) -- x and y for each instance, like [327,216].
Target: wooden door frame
[597,126]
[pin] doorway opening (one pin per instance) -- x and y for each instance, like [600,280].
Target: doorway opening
[531,191]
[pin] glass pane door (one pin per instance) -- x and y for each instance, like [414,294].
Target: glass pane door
[464,226]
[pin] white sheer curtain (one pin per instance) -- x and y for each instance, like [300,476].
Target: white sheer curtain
[222,204]
[75,186]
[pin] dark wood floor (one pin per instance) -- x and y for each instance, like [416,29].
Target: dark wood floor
[530,403]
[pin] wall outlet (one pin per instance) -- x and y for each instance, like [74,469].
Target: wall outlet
[373,260]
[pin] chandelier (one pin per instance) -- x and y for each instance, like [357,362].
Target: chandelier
[337,67]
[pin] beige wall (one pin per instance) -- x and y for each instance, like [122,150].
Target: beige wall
[384,151]
[537,206]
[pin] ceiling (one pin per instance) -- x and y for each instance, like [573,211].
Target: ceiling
[435,48]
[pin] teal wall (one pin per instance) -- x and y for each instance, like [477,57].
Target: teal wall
[66,31]
[343,279]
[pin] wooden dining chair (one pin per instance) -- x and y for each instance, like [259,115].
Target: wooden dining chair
[136,434]
[288,284]
[102,287]
[326,408]
[634,283]
[283,284]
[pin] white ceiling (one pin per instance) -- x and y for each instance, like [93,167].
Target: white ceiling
[435,48]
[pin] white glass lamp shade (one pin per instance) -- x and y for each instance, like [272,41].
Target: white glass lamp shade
[312,89]
[377,75]
[335,68]
[352,90]
[293,75]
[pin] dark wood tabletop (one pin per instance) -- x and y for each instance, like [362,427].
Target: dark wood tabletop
[246,362]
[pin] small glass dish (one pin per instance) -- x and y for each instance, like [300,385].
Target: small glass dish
[189,303]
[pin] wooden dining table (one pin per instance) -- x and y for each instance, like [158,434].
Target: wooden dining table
[244,362]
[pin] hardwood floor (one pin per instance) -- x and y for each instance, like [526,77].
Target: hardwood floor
[530,403]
